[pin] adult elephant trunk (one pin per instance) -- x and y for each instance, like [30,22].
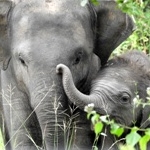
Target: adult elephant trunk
[47,100]
[75,96]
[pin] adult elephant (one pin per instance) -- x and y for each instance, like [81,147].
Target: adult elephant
[35,36]
[114,89]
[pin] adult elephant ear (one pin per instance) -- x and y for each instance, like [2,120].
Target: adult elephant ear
[5,7]
[112,28]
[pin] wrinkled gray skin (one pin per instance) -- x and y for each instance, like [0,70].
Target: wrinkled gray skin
[35,36]
[113,91]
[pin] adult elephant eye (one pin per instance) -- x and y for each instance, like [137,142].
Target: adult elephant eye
[125,98]
[22,60]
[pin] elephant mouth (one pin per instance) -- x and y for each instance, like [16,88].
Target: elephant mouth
[118,119]
[105,119]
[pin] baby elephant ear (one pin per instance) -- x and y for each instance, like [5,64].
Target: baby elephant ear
[5,7]
[113,27]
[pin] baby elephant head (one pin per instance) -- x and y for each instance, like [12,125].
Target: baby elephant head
[114,89]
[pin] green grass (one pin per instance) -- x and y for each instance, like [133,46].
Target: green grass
[1,142]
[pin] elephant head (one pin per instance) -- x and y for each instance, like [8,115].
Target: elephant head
[35,36]
[114,89]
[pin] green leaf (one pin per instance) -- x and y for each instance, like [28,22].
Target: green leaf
[116,130]
[89,115]
[95,118]
[94,148]
[98,128]
[134,129]
[143,142]
[95,2]
[147,132]
[126,147]
[132,138]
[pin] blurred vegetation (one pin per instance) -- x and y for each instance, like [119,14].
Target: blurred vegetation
[139,10]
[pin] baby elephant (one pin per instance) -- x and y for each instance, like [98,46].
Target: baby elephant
[114,89]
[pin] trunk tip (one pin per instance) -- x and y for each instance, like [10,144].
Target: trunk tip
[60,68]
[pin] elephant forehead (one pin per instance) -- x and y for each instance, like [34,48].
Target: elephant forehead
[53,38]
[50,7]
[43,17]
[54,6]
[40,21]
[43,27]
[48,34]
[27,24]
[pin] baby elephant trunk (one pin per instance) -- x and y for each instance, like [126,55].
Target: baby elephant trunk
[75,96]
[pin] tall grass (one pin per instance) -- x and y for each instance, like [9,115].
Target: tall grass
[1,142]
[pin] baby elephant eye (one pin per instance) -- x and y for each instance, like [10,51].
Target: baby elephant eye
[125,98]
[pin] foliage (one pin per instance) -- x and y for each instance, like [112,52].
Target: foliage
[132,138]
[140,12]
